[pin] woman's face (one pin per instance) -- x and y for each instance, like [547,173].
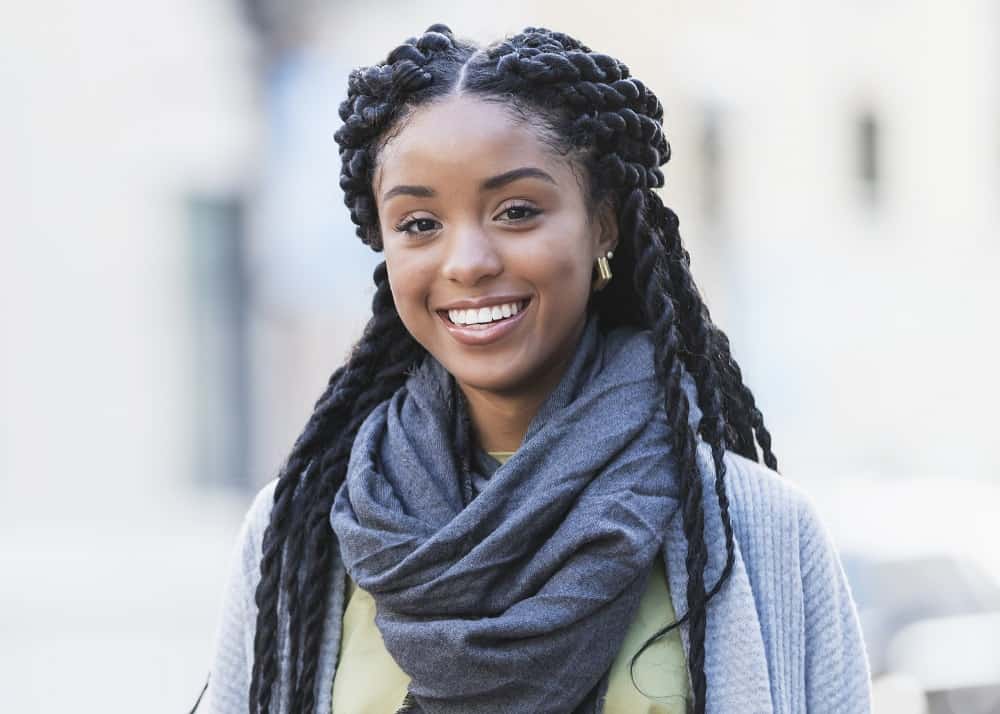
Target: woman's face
[487,244]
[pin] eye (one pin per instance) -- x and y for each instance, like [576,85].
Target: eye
[520,211]
[515,213]
[421,223]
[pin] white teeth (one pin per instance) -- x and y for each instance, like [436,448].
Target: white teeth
[483,314]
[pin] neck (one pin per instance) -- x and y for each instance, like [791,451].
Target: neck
[501,419]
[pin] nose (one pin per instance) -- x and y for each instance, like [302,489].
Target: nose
[471,256]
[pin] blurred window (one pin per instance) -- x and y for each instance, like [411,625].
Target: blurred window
[220,358]
[710,148]
[868,139]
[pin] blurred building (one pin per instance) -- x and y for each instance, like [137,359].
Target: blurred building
[179,277]
[128,129]
[834,168]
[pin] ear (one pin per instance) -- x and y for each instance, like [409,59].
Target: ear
[607,224]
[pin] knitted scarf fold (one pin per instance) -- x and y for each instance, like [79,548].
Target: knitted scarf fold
[516,598]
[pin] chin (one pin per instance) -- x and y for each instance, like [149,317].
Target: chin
[501,379]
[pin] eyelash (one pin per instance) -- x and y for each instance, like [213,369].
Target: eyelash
[531,211]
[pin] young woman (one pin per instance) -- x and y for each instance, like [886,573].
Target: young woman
[541,451]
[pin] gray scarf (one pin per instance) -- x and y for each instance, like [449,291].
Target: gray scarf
[516,598]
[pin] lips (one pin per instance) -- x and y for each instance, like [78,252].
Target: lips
[483,333]
[506,310]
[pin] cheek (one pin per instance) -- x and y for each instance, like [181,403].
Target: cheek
[406,282]
[565,275]
[560,267]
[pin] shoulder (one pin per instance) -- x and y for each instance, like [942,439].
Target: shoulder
[796,571]
[803,599]
[762,498]
[777,523]
[232,663]
[260,508]
[252,530]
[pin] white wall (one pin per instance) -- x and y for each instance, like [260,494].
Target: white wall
[111,565]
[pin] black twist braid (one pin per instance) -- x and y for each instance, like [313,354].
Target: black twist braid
[742,415]
[401,354]
[373,371]
[660,314]
[272,572]
[377,97]
[273,559]
[699,334]
[293,545]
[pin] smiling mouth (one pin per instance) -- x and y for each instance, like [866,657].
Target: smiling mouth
[478,320]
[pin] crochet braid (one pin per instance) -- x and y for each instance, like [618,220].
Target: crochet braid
[587,107]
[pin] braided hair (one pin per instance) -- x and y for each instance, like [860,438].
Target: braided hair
[586,106]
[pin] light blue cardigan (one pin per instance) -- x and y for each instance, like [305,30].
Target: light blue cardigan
[782,635]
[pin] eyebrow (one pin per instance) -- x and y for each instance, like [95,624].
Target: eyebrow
[490,184]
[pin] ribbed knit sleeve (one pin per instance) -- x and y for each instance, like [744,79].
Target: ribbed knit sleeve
[837,674]
[229,679]
[232,663]
[816,659]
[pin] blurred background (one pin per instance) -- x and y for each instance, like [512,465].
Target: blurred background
[179,277]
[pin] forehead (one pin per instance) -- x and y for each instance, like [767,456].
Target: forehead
[461,136]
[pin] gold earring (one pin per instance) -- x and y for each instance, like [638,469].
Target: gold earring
[603,271]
